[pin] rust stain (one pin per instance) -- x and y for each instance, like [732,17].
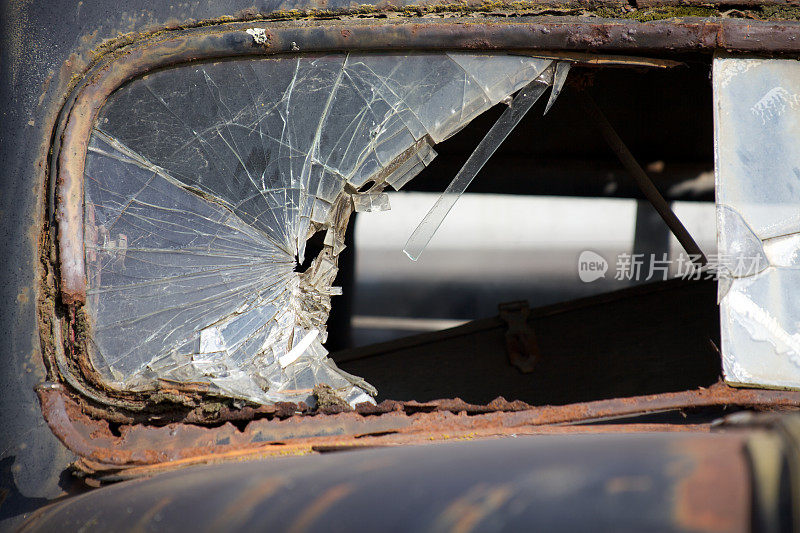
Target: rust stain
[467,512]
[133,450]
[108,472]
[45,86]
[24,296]
[316,509]
[147,518]
[624,484]
[715,494]
[236,515]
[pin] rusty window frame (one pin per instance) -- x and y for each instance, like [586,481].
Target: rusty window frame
[173,47]
[73,417]
[231,40]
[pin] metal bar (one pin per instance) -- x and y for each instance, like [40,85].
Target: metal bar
[388,423]
[643,180]
[606,60]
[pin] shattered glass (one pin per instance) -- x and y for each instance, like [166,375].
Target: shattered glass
[757,137]
[511,117]
[204,182]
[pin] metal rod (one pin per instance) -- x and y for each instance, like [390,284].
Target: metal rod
[643,181]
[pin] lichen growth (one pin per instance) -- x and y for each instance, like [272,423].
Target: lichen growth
[328,399]
[668,12]
[82,326]
[592,9]
[778,12]
[212,408]
[654,13]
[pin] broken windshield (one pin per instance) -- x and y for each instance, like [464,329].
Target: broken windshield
[204,182]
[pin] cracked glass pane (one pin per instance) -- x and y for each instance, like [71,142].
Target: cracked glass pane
[757,136]
[204,182]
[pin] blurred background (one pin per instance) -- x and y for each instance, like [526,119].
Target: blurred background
[552,190]
[495,248]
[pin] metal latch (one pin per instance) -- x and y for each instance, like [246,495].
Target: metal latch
[521,344]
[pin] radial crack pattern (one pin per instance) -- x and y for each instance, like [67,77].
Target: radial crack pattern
[204,182]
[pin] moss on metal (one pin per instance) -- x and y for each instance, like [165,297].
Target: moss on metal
[780,12]
[500,8]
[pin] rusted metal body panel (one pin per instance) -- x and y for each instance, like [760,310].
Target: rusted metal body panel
[633,482]
[139,445]
[58,70]
[126,449]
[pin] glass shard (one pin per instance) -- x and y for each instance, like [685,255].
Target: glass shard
[559,79]
[501,129]
[204,182]
[757,143]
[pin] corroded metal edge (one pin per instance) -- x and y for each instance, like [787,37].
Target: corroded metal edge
[117,451]
[128,58]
